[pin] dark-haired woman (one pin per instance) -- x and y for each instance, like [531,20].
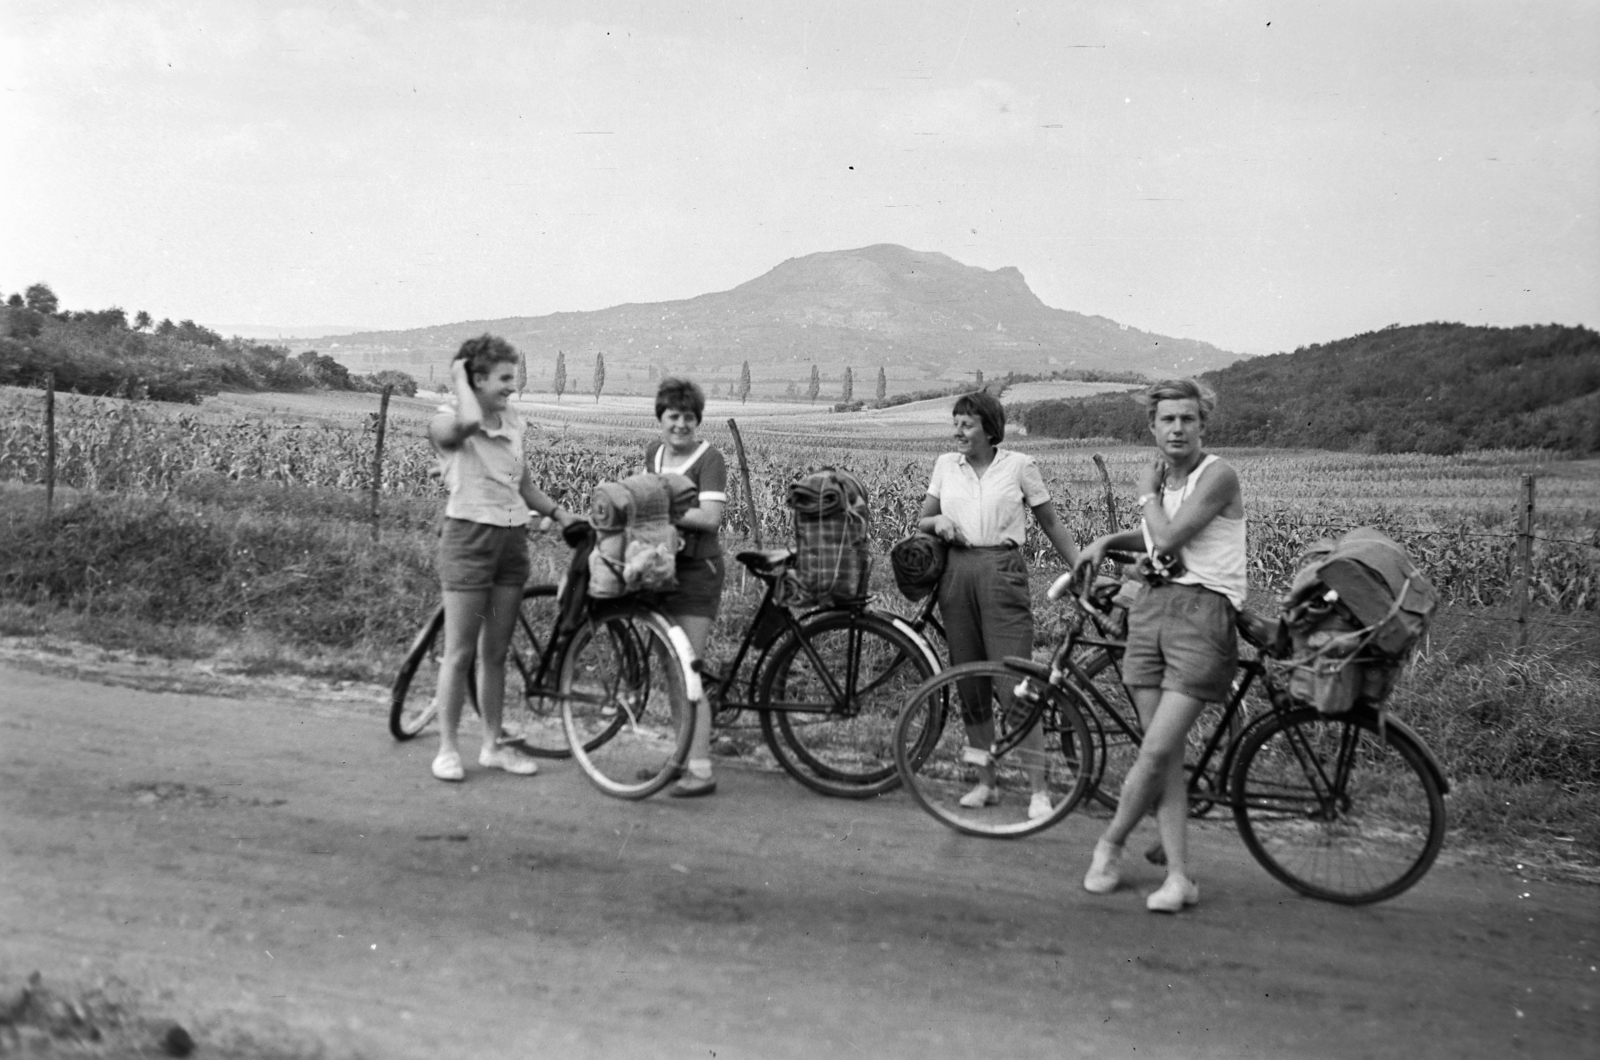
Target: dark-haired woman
[978,501]
[680,403]
[483,547]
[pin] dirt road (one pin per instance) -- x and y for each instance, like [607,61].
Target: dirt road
[286,880]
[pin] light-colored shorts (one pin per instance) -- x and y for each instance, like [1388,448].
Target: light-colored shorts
[1182,638]
[474,557]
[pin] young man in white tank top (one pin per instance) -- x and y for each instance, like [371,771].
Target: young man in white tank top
[1181,633]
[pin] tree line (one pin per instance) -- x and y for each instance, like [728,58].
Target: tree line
[104,352]
[1437,388]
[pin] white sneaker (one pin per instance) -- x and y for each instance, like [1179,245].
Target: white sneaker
[1177,892]
[447,766]
[508,757]
[982,795]
[1039,806]
[1103,877]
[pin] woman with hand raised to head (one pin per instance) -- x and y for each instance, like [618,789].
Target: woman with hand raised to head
[483,547]
[1182,640]
[978,501]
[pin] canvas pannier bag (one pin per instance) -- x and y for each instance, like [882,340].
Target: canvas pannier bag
[832,541]
[1357,608]
[636,544]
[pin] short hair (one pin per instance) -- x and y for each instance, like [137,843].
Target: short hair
[1180,390]
[987,408]
[483,353]
[685,395]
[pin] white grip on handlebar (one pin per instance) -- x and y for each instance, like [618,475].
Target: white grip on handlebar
[1062,585]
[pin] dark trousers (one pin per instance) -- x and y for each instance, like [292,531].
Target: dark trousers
[987,614]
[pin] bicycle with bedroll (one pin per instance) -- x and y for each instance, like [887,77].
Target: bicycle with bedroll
[608,682]
[1347,808]
[827,683]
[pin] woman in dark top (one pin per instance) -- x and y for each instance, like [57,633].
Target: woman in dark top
[693,604]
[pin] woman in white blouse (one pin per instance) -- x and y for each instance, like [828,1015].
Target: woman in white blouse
[978,500]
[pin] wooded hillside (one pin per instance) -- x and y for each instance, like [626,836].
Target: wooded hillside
[1431,388]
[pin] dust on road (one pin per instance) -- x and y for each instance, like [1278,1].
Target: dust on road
[282,878]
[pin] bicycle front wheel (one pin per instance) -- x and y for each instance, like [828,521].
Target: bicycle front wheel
[413,700]
[1042,759]
[829,699]
[624,702]
[1337,807]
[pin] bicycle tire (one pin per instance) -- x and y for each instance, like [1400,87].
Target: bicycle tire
[1339,808]
[412,699]
[624,701]
[876,665]
[931,741]
[532,712]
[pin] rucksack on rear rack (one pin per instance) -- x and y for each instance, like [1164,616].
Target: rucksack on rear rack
[832,541]
[1357,608]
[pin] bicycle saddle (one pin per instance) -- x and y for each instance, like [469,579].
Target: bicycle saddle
[1264,634]
[765,561]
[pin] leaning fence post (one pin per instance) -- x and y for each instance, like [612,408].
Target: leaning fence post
[49,441]
[1524,557]
[377,454]
[744,473]
[1111,498]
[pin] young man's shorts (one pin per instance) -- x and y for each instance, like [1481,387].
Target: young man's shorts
[699,591]
[474,557]
[1182,638]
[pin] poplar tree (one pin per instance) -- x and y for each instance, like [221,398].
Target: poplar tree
[816,384]
[522,372]
[744,383]
[883,386]
[559,384]
[849,383]
[599,375]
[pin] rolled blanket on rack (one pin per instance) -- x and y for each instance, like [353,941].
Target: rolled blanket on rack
[650,502]
[918,563]
[817,496]
[610,506]
[682,494]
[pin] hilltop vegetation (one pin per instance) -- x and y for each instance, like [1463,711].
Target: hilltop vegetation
[102,352]
[1431,388]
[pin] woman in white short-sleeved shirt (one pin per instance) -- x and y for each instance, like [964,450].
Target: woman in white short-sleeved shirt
[978,501]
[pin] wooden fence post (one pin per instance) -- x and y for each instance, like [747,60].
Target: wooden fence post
[49,442]
[377,454]
[1524,557]
[1111,498]
[744,474]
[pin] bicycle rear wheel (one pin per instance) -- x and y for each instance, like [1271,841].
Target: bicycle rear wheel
[1337,807]
[1043,747]
[624,701]
[412,699]
[845,749]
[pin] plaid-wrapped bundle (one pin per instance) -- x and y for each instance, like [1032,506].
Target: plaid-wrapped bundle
[832,532]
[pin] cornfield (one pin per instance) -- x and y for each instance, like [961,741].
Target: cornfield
[1453,514]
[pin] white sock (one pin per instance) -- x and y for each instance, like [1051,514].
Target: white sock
[700,768]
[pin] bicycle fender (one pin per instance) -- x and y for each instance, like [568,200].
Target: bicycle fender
[918,639]
[686,659]
[1411,734]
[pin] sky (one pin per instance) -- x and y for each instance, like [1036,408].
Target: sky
[1260,176]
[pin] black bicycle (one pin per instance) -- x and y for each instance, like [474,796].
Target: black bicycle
[827,683]
[605,681]
[1346,808]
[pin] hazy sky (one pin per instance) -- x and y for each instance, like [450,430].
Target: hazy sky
[1257,175]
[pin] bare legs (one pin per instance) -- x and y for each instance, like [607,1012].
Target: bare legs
[477,624]
[1156,779]
[698,629]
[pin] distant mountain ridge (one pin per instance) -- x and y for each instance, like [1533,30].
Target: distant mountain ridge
[918,314]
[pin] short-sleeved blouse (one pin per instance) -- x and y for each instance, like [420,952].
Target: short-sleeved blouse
[709,472]
[484,473]
[991,510]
